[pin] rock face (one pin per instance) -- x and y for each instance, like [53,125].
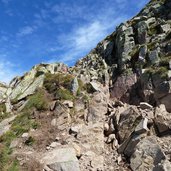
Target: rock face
[147,155]
[63,159]
[111,111]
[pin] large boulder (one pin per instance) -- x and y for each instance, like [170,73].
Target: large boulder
[128,121]
[147,155]
[162,120]
[21,87]
[62,159]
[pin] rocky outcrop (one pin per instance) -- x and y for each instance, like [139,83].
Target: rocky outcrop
[111,111]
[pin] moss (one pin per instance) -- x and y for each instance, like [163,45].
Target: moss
[151,45]
[2,108]
[152,31]
[161,71]
[135,51]
[38,101]
[164,62]
[38,73]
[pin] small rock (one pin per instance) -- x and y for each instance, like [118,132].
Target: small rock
[53,105]
[77,149]
[57,139]
[14,143]
[68,103]
[111,138]
[142,126]
[53,144]
[144,105]
[74,130]
[54,122]
[119,159]
[25,135]
[106,127]
[47,148]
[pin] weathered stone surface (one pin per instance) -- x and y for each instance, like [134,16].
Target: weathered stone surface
[147,155]
[162,120]
[165,28]
[122,87]
[163,166]
[128,120]
[153,56]
[144,105]
[97,107]
[74,86]
[142,126]
[62,159]
[70,104]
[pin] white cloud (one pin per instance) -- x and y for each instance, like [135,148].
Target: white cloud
[7,71]
[26,31]
[85,37]
[5,1]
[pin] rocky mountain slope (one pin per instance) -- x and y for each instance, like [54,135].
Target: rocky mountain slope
[111,111]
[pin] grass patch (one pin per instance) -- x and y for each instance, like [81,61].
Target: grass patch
[6,163]
[2,108]
[64,94]
[38,101]
[21,124]
[164,62]
[53,82]
[3,113]
[161,71]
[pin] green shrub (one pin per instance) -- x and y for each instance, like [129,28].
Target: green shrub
[38,101]
[162,71]
[64,94]
[22,123]
[53,82]
[135,51]
[164,62]
[6,164]
[7,138]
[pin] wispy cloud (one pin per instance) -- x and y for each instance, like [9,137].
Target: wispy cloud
[26,31]
[7,71]
[5,1]
[82,38]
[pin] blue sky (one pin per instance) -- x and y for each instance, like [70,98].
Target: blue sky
[35,31]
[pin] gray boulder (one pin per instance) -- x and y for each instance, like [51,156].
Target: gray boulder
[62,159]
[147,155]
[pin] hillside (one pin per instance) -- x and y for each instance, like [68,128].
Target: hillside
[110,112]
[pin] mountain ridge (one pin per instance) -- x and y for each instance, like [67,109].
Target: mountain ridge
[111,111]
